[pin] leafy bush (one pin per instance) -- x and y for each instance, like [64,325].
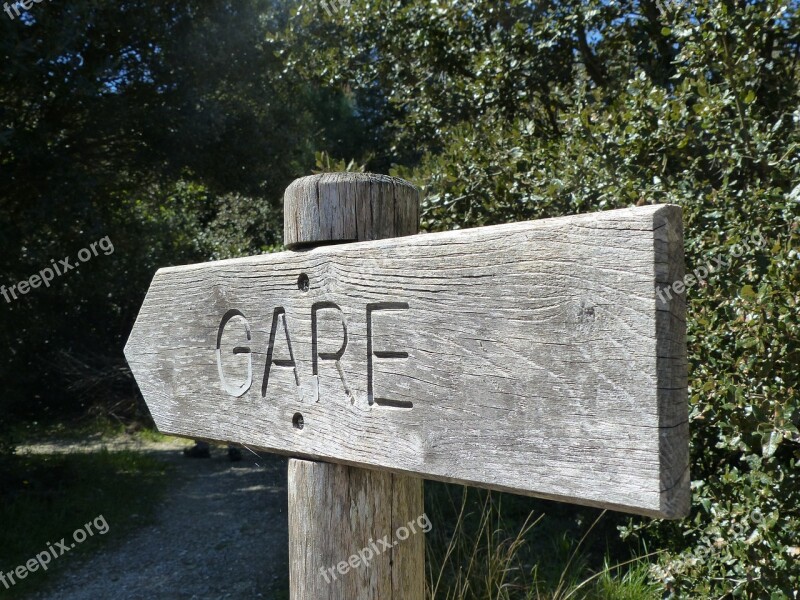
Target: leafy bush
[518,110]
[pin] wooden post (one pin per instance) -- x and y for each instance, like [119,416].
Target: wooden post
[344,521]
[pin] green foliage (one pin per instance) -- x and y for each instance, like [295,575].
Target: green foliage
[171,127]
[497,546]
[521,110]
[326,164]
[631,585]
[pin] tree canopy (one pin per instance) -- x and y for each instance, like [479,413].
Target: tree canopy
[173,128]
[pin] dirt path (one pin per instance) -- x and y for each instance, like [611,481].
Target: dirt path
[222,533]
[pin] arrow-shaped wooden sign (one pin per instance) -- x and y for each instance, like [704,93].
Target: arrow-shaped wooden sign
[534,357]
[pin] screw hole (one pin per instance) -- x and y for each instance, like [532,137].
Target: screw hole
[297,421]
[302,282]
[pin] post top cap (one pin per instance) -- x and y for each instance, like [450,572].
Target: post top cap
[346,207]
[338,178]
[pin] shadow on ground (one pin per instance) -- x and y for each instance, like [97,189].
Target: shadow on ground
[222,533]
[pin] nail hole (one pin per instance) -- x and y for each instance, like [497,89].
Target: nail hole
[302,282]
[297,421]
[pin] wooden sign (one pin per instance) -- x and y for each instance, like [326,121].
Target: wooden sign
[533,357]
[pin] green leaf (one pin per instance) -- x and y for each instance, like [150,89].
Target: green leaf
[770,443]
[748,293]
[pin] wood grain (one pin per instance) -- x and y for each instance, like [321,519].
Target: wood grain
[337,513]
[529,357]
[339,207]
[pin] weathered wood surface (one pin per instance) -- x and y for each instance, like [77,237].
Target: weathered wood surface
[339,207]
[529,357]
[343,533]
[339,513]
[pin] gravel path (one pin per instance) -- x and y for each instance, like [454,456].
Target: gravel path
[222,533]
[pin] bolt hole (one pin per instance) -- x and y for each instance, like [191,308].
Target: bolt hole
[297,421]
[302,282]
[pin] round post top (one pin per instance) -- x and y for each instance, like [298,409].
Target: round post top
[334,208]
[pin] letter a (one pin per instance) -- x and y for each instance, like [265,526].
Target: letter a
[278,316]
